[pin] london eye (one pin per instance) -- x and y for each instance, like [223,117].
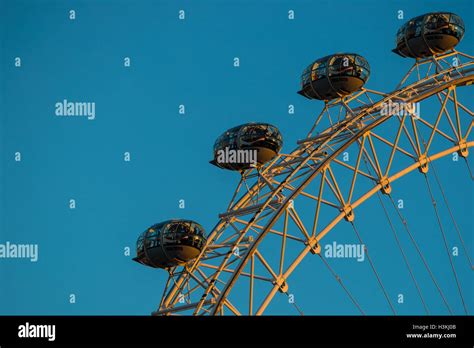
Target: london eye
[235,267]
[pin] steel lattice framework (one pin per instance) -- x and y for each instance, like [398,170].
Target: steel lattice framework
[270,201]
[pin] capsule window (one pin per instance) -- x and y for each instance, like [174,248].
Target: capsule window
[341,65]
[456,20]
[152,233]
[418,28]
[306,78]
[362,70]
[196,230]
[362,62]
[457,31]
[140,245]
[320,73]
[314,71]
[334,66]
[401,35]
[411,29]
[436,23]
[455,27]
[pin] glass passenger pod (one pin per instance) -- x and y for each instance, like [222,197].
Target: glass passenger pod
[170,243]
[429,34]
[334,76]
[247,146]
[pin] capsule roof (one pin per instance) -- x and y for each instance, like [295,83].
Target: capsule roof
[188,226]
[429,34]
[249,130]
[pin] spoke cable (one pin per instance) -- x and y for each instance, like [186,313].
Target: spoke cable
[403,253]
[433,201]
[468,168]
[373,268]
[452,216]
[415,244]
[339,280]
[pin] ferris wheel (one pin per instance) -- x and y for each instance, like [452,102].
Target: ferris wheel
[286,204]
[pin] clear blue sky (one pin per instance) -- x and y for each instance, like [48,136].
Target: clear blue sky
[177,62]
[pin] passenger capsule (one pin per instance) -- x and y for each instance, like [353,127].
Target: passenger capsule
[334,76]
[429,34]
[170,243]
[247,146]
